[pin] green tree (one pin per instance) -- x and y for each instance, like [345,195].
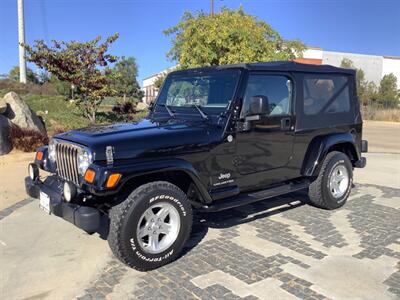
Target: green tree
[366,90]
[388,93]
[360,75]
[44,77]
[230,36]
[30,75]
[160,80]
[82,64]
[62,87]
[124,76]
[371,93]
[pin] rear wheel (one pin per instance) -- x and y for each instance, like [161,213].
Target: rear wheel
[333,185]
[150,228]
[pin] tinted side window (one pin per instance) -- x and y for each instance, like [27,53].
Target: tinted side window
[327,94]
[276,89]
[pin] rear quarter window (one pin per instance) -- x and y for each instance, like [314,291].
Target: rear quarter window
[326,100]
[326,95]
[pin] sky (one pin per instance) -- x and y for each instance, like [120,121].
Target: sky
[358,26]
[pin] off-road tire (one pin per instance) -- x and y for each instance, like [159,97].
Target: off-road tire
[125,216]
[319,192]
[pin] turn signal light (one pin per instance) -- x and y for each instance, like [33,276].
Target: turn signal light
[89,175]
[113,180]
[39,155]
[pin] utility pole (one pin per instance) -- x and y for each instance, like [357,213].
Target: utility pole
[212,7]
[21,40]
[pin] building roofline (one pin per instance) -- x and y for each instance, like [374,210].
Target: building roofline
[391,57]
[314,48]
[155,74]
[163,71]
[363,54]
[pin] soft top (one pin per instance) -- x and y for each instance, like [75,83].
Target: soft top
[288,66]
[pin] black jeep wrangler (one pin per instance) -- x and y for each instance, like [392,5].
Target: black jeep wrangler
[215,138]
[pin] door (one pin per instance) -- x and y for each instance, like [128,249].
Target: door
[265,132]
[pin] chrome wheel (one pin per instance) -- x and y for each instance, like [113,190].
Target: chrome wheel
[339,181]
[158,228]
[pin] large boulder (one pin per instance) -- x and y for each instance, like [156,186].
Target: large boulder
[5,142]
[3,106]
[20,114]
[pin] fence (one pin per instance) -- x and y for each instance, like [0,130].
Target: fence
[380,111]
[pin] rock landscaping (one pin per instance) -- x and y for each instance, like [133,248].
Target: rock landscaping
[14,111]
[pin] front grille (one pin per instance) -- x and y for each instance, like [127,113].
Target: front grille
[67,162]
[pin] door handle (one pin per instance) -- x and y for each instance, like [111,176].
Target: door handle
[286,123]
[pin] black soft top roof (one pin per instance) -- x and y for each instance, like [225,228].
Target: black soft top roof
[288,66]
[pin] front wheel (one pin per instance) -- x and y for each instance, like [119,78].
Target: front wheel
[150,228]
[333,185]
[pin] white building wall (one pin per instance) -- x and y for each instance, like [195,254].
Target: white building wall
[149,80]
[391,65]
[150,92]
[370,64]
[313,53]
[148,84]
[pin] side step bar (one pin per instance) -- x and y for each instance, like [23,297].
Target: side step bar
[254,197]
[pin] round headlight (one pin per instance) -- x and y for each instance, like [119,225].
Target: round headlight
[84,161]
[33,171]
[69,191]
[52,151]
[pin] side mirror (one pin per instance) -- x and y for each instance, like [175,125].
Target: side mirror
[259,105]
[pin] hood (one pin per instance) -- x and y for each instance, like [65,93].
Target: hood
[147,138]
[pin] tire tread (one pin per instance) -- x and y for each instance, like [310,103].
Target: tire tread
[315,191]
[119,212]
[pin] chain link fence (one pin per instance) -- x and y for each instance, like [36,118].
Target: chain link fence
[381,110]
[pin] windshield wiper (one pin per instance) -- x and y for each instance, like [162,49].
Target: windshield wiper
[202,113]
[167,109]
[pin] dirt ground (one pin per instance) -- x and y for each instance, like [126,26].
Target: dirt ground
[13,170]
[383,137]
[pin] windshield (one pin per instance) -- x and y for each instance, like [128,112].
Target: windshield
[211,89]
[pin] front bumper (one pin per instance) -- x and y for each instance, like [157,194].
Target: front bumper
[84,217]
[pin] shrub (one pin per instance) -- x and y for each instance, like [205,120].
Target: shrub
[124,108]
[7,85]
[27,140]
[56,110]
[49,89]
[381,114]
[57,128]
[140,115]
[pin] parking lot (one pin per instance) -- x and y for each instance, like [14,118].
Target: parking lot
[281,248]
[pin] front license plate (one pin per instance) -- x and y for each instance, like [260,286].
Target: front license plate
[44,202]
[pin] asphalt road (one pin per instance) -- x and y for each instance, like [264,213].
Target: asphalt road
[383,157]
[276,249]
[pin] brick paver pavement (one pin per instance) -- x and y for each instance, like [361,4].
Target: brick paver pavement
[281,248]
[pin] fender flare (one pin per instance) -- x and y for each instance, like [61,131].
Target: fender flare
[319,148]
[133,169]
